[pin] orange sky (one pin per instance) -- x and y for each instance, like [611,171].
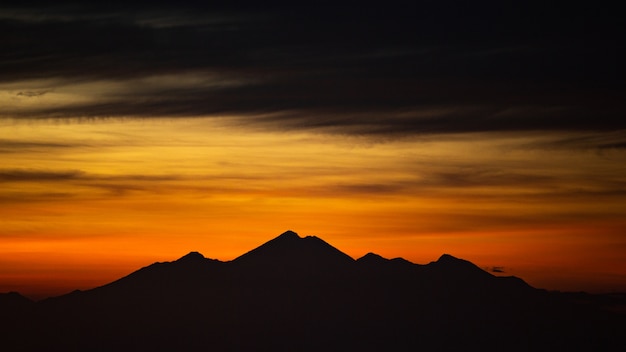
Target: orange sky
[85,202]
[137,132]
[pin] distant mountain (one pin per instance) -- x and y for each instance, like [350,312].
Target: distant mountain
[302,294]
[13,301]
[14,298]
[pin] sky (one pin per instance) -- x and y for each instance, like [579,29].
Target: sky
[138,131]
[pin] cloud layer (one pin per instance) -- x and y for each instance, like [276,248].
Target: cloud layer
[491,130]
[423,68]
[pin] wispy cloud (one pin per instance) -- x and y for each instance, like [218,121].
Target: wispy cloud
[294,68]
[31,93]
[20,175]
[12,146]
[607,141]
[497,269]
[28,175]
[75,182]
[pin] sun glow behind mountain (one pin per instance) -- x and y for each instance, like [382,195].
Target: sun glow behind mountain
[134,132]
[127,192]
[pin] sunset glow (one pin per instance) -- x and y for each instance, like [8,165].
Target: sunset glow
[78,195]
[136,134]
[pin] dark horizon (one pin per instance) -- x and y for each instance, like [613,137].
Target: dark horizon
[302,293]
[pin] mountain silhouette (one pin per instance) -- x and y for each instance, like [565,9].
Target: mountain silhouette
[14,303]
[292,254]
[14,299]
[297,293]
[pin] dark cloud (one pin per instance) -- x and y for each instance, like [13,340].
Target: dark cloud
[467,179]
[366,189]
[17,146]
[12,198]
[117,185]
[497,269]
[601,142]
[619,145]
[35,175]
[19,175]
[366,69]
[31,93]
[493,177]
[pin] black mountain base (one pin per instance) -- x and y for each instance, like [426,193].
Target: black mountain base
[301,294]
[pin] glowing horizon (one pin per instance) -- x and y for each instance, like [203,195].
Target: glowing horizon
[120,194]
[138,132]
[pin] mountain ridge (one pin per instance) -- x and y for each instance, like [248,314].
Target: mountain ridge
[302,293]
[289,248]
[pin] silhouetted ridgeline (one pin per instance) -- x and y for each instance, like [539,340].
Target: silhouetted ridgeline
[295,294]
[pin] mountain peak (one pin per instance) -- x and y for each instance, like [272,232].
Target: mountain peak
[447,258]
[288,235]
[372,258]
[450,263]
[291,250]
[192,257]
[13,298]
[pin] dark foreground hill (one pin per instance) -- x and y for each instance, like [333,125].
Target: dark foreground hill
[301,294]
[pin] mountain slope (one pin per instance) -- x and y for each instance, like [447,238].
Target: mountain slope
[292,253]
[295,293]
